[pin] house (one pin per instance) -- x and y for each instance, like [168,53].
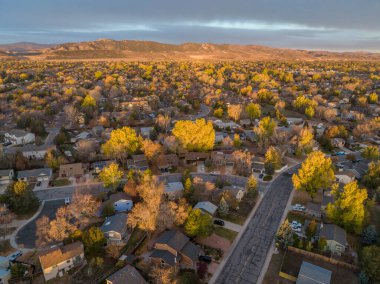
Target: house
[222,158]
[81,136]
[173,248]
[335,236]
[258,165]
[123,205]
[138,162]
[174,190]
[225,125]
[31,152]
[6,176]
[146,131]
[126,275]
[114,227]
[191,157]
[19,137]
[37,176]
[345,176]
[98,166]
[167,162]
[313,274]
[245,122]
[337,142]
[313,210]
[206,207]
[71,170]
[56,261]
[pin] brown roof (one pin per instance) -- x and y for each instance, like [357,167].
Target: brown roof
[56,255]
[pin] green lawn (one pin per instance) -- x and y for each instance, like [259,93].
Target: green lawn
[234,218]
[225,233]
[136,236]
[297,217]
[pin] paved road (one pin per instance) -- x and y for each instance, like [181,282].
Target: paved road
[26,237]
[246,261]
[203,112]
[67,191]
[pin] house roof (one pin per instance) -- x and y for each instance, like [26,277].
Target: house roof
[206,206]
[54,256]
[191,251]
[115,223]
[334,232]
[18,132]
[35,173]
[165,256]
[313,274]
[174,239]
[173,186]
[128,274]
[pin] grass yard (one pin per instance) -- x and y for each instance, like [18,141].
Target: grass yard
[292,264]
[297,217]
[61,182]
[135,237]
[225,233]
[271,276]
[234,218]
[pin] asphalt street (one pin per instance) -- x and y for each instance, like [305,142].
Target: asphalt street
[67,191]
[247,259]
[26,237]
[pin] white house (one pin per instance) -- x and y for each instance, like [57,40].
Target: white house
[40,177]
[56,261]
[345,176]
[32,152]
[123,205]
[19,137]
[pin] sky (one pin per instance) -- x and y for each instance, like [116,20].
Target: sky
[341,25]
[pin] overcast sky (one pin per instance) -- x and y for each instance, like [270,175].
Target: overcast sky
[306,24]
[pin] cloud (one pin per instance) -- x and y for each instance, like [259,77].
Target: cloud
[342,24]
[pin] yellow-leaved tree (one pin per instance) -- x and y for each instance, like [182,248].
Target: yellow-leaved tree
[111,176]
[123,142]
[316,173]
[348,209]
[195,136]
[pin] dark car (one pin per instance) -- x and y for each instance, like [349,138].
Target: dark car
[261,176]
[205,258]
[219,222]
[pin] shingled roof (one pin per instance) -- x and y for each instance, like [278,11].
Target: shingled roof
[56,255]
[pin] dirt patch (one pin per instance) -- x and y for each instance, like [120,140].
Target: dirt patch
[217,242]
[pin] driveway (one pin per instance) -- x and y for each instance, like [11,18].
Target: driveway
[26,236]
[231,226]
[248,257]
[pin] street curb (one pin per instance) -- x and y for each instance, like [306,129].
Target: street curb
[236,241]
[12,239]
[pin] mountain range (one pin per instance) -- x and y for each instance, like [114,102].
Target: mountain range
[107,49]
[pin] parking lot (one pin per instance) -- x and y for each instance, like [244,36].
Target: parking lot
[27,235]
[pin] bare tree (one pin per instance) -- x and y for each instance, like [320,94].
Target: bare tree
[162,275]
[42,231]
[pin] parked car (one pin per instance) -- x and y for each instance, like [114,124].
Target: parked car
[261,176]
[205,258]
[298,207]
[298,230]
[219,222]
[67,200]
[296,224]
[340,153]
[15,255]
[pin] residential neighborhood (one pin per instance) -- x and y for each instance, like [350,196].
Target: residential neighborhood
[223,172]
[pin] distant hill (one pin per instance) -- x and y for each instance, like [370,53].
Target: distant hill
[23,47]
[150,50]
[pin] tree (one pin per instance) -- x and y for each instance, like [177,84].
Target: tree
[198,224]
[237,142]
[305,140]
[111,176]
[253,110]
[311,229]
[98,75]
[83,207]
[218,112]
[18,270]
[243,161]
[52,161]
[284,236]
[62,226]
[21,198]
[42,231]
[371,153]
[309,112]
[181,211]
[371,262]
[151,149]
[223,207]
[163,122]
[93,240]
[113,250]
[123,142]
[6,217]
[372,178]
[322,244]
[88,102]
[273,157]
[162,275]
[251,186]
[348,209]
[265,130]
[21,163]
[195,136]
[369,235]
[234,112]
[373,98]
[316,173]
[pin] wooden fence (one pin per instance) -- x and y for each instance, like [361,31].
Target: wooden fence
[324,258]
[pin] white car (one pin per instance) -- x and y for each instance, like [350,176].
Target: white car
[296,224]
[298,207]
[298,230]
[67,200]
